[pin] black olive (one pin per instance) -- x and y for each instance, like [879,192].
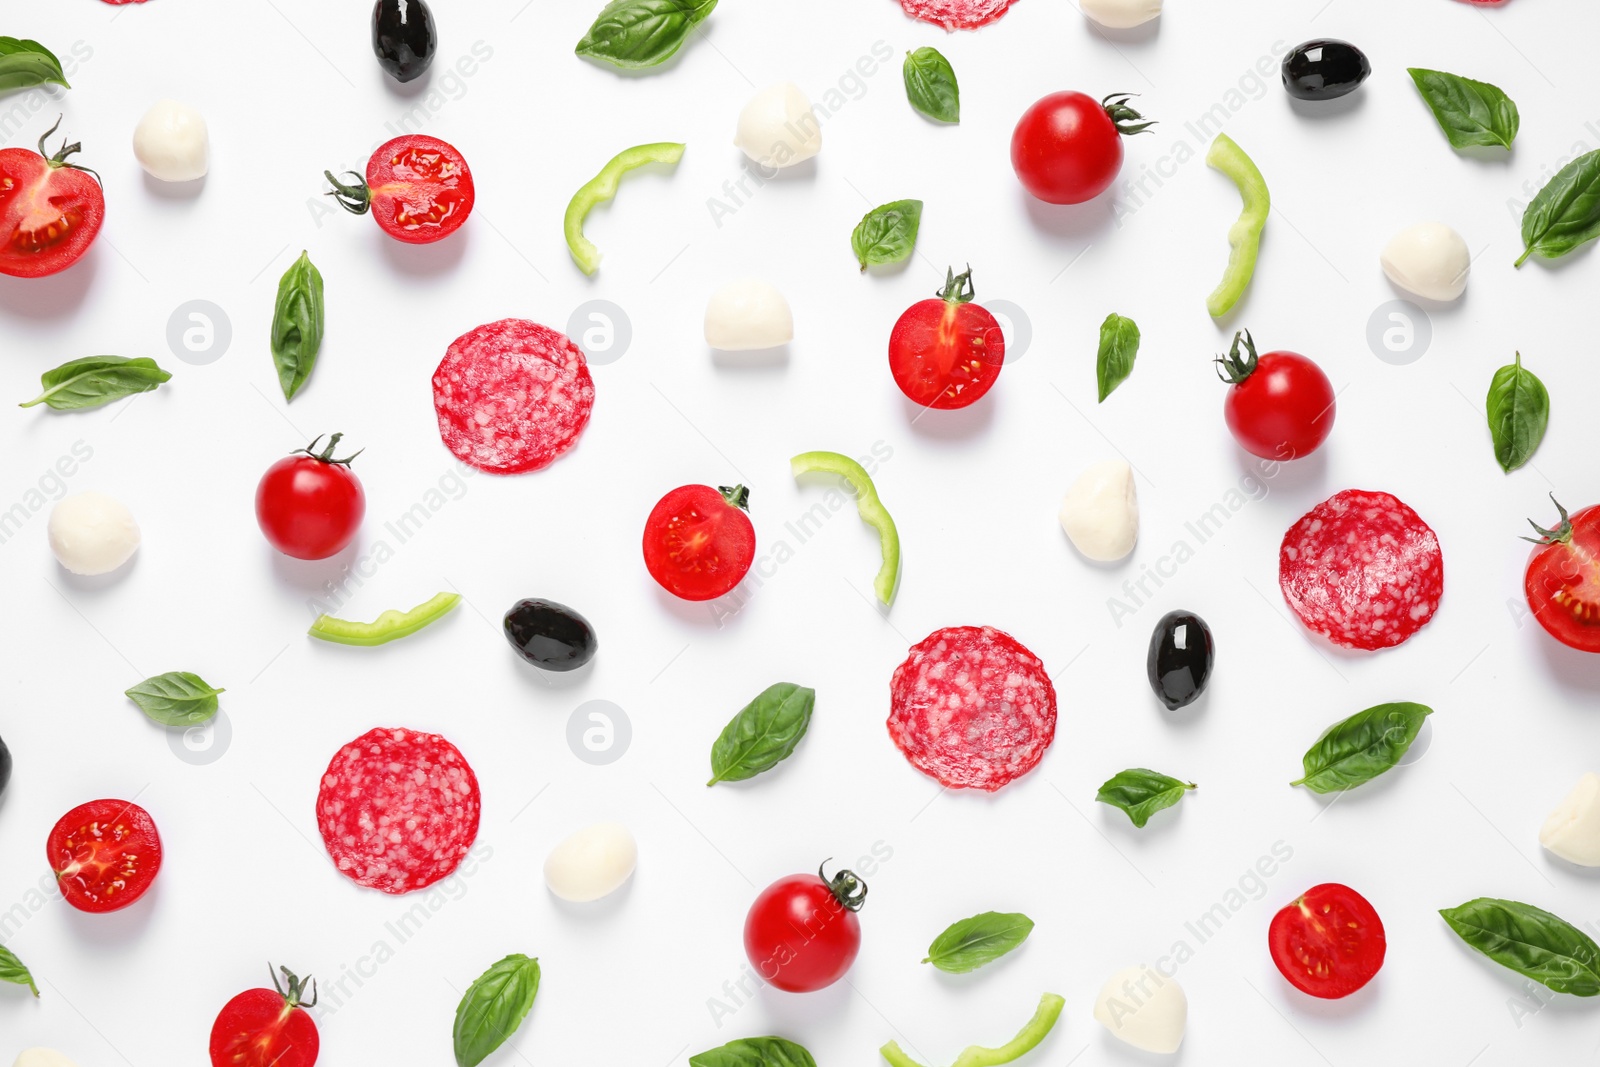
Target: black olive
[1182,654]
[1324,69]
[5,765]
[404,37]
[550,635]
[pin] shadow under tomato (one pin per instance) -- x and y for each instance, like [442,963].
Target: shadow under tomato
[429,260]
[116,929]
[961,424]
[1571,668]
[1088,223]
[53,296]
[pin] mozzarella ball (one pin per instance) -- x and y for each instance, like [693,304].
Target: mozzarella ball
[171,142]
[1143,1008]
[592,863]
[1101,512]
[777,128]
[1428,259]
[92,534]
[747,315]
[1121,14]
[1573,830]
[42,1057]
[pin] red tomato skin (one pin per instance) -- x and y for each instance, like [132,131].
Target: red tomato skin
[798,937]
[1284,410]
[1066,149]
[1562,584]
[34,192]
[258,1028]
[124,834]
[309,509]
[697,545]
[946,355]
[1315,934]
[425,178]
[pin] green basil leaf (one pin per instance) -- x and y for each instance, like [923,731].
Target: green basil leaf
[1141,793]
[95,380]
[297,322]
[642,33]
[12,969]
[763,734]
[1566,212]
[931,85]
[1358,749]
[971,943]
[887,234]
[1530,941]
[24,64]
[1469,112]
[493,1008]
[176,698]
[1519,411]
[755,1052]
[1119,346]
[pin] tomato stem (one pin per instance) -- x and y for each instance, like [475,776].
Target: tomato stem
[846,887]
[737,496]
[1123,117]
[59,158]
[958,288]
[326,455]
[1561,535]
[295,997]
[355,198]
[1234,368]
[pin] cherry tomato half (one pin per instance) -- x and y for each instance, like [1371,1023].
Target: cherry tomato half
[946,352]
[267,1027]
[308,504]
[802,933]
[50,210]
[105,853]
[1563,578]
[1067,148]
[698,541]
[418,188]
[1329,943]
[1281,405]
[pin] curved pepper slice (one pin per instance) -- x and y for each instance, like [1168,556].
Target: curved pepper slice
[1027,1039]
[873,513]
[390,626]
[1244,237]
[603,187]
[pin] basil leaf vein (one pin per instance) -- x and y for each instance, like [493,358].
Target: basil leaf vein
[763,734]
[176,698]
[1358,749]
[297,324]
[15,971]
[1119,347]
[887,233]
[493,1007]
[1141,793]
[931,85]
[755,1052]
[1519,410]
[633,34]
[93,381]
[982,939]
[25,63]
[1469,112]
[1565,213]
[1530,941]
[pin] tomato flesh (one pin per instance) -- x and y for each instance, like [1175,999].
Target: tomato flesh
[799,937]
[698,542]
[1285,408]
[1066,149]
[421,188]
[946,354]
[1329,943]
[49,214]
[260,1028]
[105,854]
[1563,583]
[309,507]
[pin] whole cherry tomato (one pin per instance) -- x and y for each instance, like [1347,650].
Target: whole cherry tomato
[802,933]
[1067,148]
[1563,578]
[310,505]
[50,209]
[946,352]
[1281,405]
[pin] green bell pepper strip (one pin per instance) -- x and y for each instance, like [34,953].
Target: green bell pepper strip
[390,626]
[1244,238]
[603,187]
[873,513]
[1027,1039]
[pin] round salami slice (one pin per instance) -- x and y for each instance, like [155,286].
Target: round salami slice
[957,14]
[1362,569]
[398,809]
[972,708]
[512,396]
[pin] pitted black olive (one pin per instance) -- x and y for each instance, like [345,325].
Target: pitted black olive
[404,37]
[1182,654]
[1324,70]
[550,635]
[5,766]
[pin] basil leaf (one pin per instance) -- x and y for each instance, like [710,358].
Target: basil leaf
[96,380]
[1566,212]
[1358,749]
[1141,793]
[176,698]
[755,1052]
[971,943]
[1530,941]
[12,969]
[1469,112]
[297,322]
[493,1008]
[1119,346]
[931,85]
[642,33]
[24,64]
[763,734]
[1519,411]
[887,234]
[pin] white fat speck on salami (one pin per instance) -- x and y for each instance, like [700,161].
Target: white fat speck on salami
[398,809]
[1362,569]
[957,14]
[972,708]
[512,396]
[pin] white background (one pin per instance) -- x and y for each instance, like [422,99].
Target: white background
[290,87]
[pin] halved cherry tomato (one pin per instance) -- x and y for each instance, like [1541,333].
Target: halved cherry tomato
[946,352]
[1281,405]
[105,853]
[1329,943]
[802,933]
[1563,578]
[418,188]
[268,1027]
[50,209]
[698,541]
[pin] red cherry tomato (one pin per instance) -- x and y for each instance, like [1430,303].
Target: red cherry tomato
[418,188]
[802,933]
[1281,405]
[50,210]
[309,504]
[1067,148]
[267,1027]
[1329,943]
[698,541]
[1563,578]
[946,352]
[105,853]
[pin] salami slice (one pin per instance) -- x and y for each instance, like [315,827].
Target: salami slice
[957,14]
[512,396]
[972,708]
[398,809]
[1362,569]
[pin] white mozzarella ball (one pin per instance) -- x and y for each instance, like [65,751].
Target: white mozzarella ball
[777,128]
[1101,511]
[747,315]
[1121,14]
[171,142]
[1428,259]
[42,1057]
[592,863]
[1573,830]
[90,533]
[1144,1008]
